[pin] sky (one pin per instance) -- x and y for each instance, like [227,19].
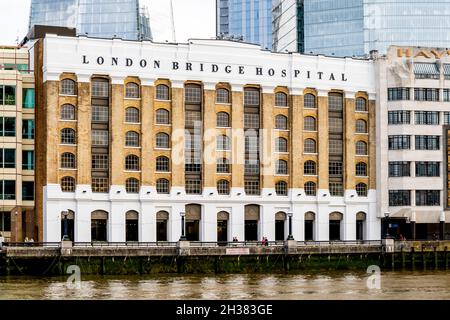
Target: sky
[193,19]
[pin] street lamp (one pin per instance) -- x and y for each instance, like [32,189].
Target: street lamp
[386,226]
[65,226]
[290,237]
[183,227]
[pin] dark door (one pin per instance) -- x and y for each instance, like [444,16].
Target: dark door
[251,230]
[279,230]
[222,230]
[192,230]
[309,230]
[70,229]
[335,230]
[161,230]
[359,230]
[98,230]
[132,233]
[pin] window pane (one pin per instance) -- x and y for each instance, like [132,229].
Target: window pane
[28,98]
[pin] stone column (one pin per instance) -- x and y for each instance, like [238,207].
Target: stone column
[236,222]
[208,223]
[147,222]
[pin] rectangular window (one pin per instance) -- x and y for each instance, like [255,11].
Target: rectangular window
[28,129]
[427,169]
[5,221]
[427,142]
[251,97]
[428,197]
[446,95]
[8,189]
[446,117]
[193,118]
[28,98]
[100,138]
[335,102]
[251,144]
[100,89]
[399,142]
[335,146]
[7,95]
[251,167]
[251,120]
[28,160]
[426,94]
[399,169]
[193,186]
[426,71]
[335,124]
[426,117]
[251,187]
[398,94]
[100,162]
[399,117]
[7,158]
[27,190]
[399,198]
[336,189]
[335,168]
[7,127]
[99,114]
[193,94]
[100,185]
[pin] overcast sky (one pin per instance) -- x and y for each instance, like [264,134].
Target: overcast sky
[193,19]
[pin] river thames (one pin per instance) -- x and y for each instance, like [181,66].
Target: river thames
[404,285]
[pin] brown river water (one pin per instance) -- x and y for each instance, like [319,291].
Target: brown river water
[404,285]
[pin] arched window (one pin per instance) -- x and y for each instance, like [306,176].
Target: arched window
[132,139]
[310,188]
[68,184]
[223,165]
[361,104]
[223,187]
[68,112]
[222,95]
[162,140]
[162,186]
[68,160]
[68,136]
[223,120]
[281,167]
[131,90]
[281,122]
[361,169]
[162,116]
[223,143]
[309,124]
[68,87]
[132,185]
[162,92]
[281,145]
[309,168]
[310,146]
[132,115]
[281,99]
[361,189]
[361,148]
[132,162]
[162,164]
[361,126]
[309,101]
[281,188]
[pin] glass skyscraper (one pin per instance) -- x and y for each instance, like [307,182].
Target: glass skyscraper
[95,18]
[249,20]
[355,27]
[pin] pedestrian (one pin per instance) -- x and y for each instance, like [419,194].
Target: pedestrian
[266,241]
[1,240]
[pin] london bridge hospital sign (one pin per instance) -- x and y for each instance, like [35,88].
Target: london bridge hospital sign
[212,68]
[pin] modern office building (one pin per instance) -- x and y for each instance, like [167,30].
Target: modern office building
[16,145]
[124,19]
[131,136]
[356,27]
[413,149]
[247,20]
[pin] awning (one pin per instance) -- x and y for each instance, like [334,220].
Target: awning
[426,68]
[447,69]
[421,216]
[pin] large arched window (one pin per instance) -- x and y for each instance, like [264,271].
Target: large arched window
[68,136]
[68,87]
[281,145]
[223,143]
[281,99]
[281,167]
[361,189]
[310,124]
[68,160]
[223,165]
[281,122]
[132,115]
[132,185]
[281,188]
[68,184]
[132,139]
[310,146]
[162,140]
[309,101]
[223,120]
[162,116]
[132,162]
[361,126]
[310,188]
[162,164]
[162,92]
[361,148]
[68,112]
[132,90]
[309,168]
[361,104]
[361,169]
[162,186]
[223,187]
[222,95]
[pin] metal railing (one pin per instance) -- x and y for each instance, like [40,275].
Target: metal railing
[128,244]
[32,244]
[340,243]
[236,243]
